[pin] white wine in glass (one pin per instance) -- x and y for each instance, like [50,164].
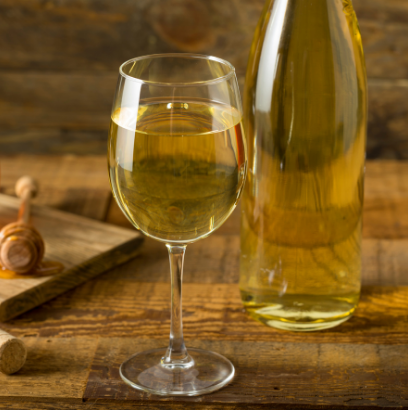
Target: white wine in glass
[177,166]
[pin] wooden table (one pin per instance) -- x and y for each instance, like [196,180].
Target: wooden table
[77,341]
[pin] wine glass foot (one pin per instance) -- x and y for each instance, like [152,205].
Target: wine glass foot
[209,373]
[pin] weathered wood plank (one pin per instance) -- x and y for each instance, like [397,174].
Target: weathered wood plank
[133,302]
[390,11]
[386,179]
[85,247]
[385,47]
[32,102]
[387,135]
[77,185]
[55,368]
[33,33]
[287,375]
[385,214]
[385,218]
[53,141]
[98,404]
[114,307]
[56,100]
[42,87]
[273,373]
[385,262]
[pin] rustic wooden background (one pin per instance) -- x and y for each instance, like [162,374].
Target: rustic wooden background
[59,61]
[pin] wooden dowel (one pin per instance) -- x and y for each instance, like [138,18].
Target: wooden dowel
[13,353]
[26,188]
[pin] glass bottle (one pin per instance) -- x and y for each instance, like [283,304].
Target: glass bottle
[305,108]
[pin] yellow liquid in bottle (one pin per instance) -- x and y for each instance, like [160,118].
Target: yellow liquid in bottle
[177,169]
[305,105]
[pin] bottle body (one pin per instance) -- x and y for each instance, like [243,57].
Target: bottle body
[305,108]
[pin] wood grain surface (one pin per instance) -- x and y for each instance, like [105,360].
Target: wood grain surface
[33,33]
[271,372]
[85,247]
[59,63]
[79,186]
[77,341]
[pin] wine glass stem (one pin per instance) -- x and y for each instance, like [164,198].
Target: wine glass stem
[176,355]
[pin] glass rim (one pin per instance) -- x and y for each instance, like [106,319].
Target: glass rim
[215,80]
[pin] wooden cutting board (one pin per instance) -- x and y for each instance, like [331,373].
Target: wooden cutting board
[84,246]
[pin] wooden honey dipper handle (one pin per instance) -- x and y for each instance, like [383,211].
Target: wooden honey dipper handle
[21,246]
[26,188]
[13,353]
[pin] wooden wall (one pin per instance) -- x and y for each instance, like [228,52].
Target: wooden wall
[59,61]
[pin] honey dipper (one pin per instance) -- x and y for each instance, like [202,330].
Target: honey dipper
[21,245]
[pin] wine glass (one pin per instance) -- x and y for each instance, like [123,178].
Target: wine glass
[177,166]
